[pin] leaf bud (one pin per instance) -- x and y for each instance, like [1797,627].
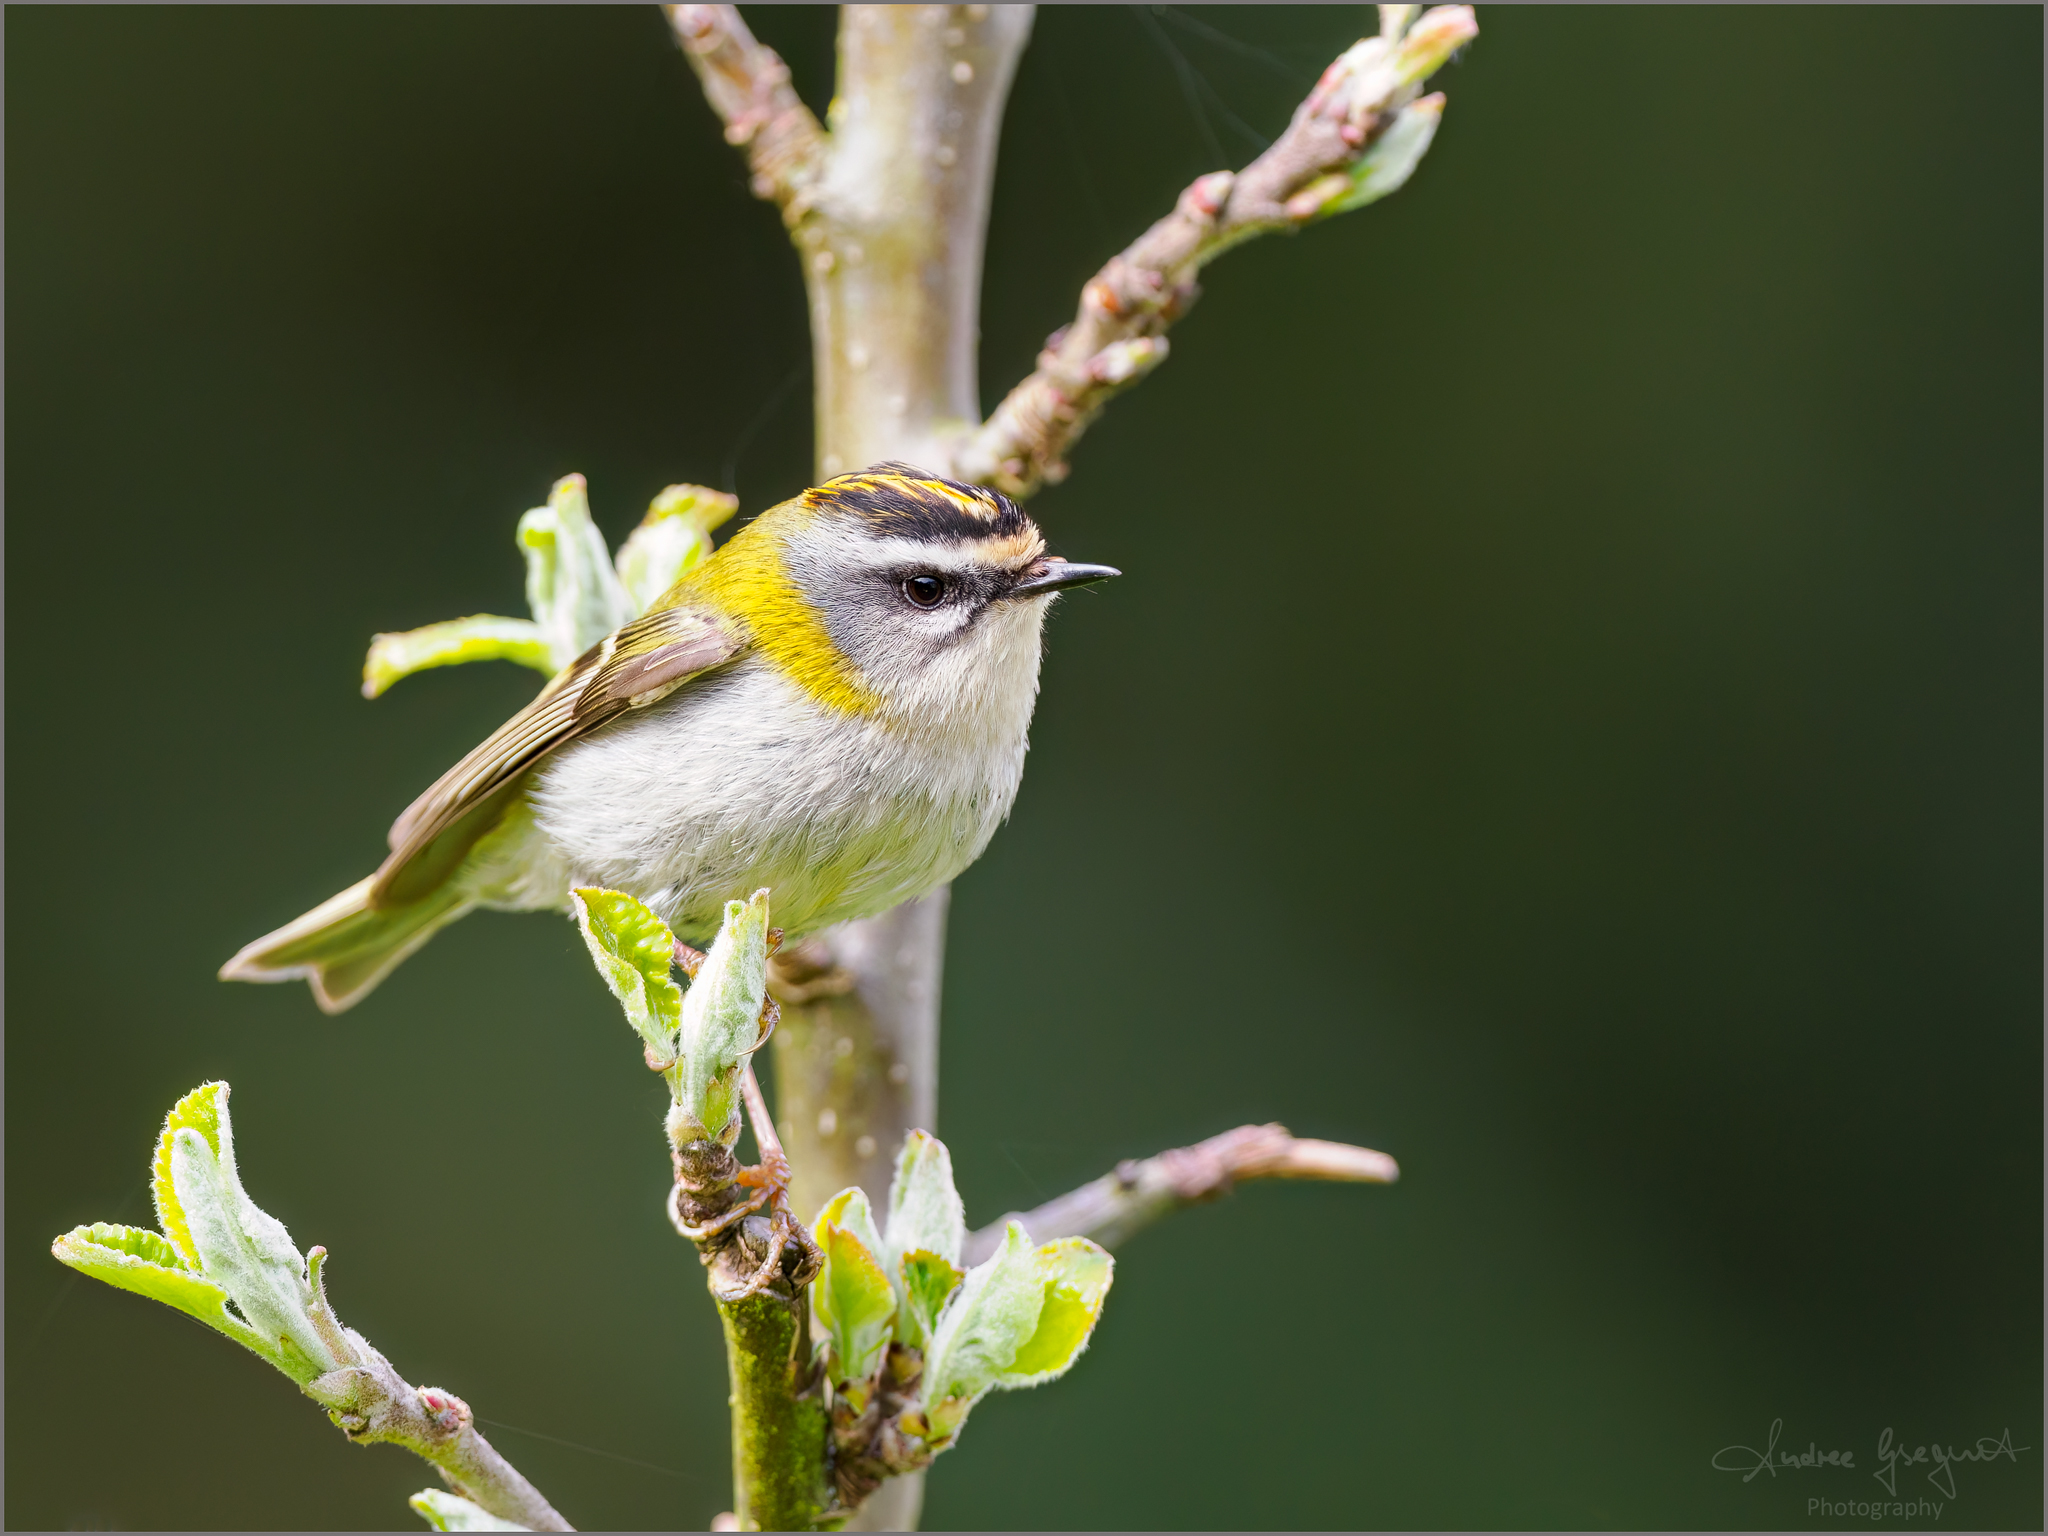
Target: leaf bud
[721,1025]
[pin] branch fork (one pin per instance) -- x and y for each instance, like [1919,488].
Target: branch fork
[1319,166]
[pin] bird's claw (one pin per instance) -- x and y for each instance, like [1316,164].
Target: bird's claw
[770,1178]
[784,1230]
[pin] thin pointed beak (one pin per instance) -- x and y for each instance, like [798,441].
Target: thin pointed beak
[1052,574]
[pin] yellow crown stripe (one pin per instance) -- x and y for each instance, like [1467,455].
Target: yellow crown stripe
[980,506]
[747,580]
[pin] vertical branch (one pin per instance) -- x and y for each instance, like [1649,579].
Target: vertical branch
[778,1437]
[892,240]
[889,222]
[891,250]
[889,215]
[856,1055]
[888,212]
[779,1420]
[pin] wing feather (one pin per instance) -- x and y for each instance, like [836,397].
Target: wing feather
[642,662]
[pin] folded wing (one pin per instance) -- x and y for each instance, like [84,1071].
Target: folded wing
[638,665]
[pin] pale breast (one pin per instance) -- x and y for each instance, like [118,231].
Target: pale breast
[742,780]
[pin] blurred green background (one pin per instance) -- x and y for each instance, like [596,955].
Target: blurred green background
[1572,721]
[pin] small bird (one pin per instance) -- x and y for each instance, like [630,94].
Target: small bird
[835,705]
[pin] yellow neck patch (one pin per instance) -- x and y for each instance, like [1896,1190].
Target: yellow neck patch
[746,579]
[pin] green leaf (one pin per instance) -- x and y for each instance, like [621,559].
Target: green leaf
[446,1512]
[134,1260]
[203,1110]
[721,1024]
[634,951]
[1076,1273]
[480,637]
[1386,167]
[924,1205]
[852,1295]
[849,1209]
[245,1250]
[671,540]
[927,1281]
[571,586]
[977,1338]
[137,1242]
[218,1248]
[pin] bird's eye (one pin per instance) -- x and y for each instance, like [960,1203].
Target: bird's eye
[925,591]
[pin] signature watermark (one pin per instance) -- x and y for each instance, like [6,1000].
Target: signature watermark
[1874,1509]
[1892,1456]
[1940,1459]
[1749,1461]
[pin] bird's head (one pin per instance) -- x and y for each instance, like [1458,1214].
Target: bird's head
[892,591]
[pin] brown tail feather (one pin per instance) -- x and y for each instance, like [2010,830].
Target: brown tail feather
[345,946]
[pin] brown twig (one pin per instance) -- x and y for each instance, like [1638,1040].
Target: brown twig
[748,87]
[1118,335]
[371,1402]
[1138,1193]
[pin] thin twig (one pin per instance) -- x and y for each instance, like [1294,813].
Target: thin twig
[371,1402]
[748,87]
[772,1155]
[1118,335]
[1138,1193]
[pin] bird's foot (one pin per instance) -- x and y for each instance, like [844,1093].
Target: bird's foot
[770,1179]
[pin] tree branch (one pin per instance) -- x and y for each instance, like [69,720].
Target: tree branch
[760,1283]
[748,87]
[372,1403]
[1137,1194]
[1316,168]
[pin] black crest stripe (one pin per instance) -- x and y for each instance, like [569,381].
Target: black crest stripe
[902,499]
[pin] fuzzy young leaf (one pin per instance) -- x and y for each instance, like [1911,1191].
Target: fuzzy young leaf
[571,585]
[480,637]
[445,1511]
[721,1025]
[218,1247]
[203,1110]
[924,1205]
[248,1252]
[633,951]
[1076,1273]
[927,1281]
[147,1264]
[991,1318]
[671,540]
[852,1296]
[850,1209]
